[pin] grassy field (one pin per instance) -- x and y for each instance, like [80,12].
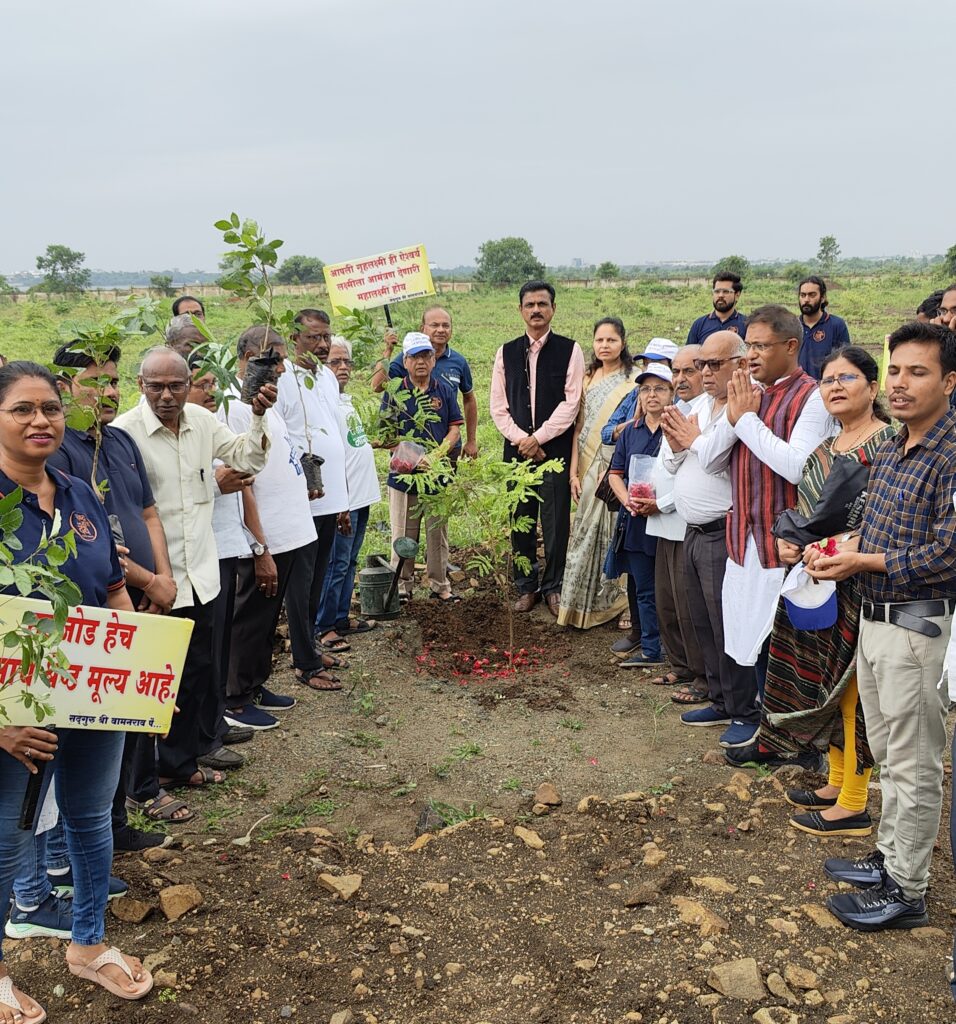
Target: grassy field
[871,306]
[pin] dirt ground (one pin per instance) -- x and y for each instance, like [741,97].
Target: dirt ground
[657,867]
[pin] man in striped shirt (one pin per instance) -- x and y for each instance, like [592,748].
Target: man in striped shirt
[905,556]
[775,418]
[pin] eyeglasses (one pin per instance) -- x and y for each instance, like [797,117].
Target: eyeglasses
[946,311]
[26,413]
[761,346]
[199,385]
[842,378]
[178,387]
[316,337]
[724,291]
[685,371]
[713,364]
[657,389]
[347,363]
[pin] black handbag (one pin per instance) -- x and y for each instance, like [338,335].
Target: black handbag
[604,492]
[839,508]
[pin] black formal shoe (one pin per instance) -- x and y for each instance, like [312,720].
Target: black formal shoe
[813,822]
[865,872]
[807,800]
[132,839]
[238,734]
[878,909]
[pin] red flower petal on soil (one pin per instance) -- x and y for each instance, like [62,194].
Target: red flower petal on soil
[593,762]
[286,877]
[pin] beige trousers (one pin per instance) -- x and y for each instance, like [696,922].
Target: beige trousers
[898,672]
[405,520]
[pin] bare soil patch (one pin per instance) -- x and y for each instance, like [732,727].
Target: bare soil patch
[617,905]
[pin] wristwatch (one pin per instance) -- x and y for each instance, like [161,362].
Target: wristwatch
[258,549]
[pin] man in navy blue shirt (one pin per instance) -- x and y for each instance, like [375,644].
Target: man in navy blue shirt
[822,331]
[726,316]
[421,387]
[120,477]
[450,365]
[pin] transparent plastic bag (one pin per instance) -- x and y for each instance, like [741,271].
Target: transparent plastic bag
[640,477]
[406,457]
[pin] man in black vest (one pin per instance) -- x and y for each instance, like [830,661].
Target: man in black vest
[535,394]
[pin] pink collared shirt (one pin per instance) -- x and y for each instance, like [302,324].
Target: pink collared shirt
[562,417]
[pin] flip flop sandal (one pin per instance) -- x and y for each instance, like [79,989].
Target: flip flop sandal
[669,679]
[361,626]
[112,956]
[450,599]
[339,645]
[688,695]
[624,622]
[161,807]
[8,999]
[329,681]
[209,778]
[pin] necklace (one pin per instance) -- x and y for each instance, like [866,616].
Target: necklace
[855,438]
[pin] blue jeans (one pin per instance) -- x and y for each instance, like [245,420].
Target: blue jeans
[640,568]
[85,772]
[32,885]
[340,576]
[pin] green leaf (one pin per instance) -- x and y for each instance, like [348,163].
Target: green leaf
[222,225]
[234,219]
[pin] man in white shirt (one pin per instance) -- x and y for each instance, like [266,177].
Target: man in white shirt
[178,442]
[667,524]
[308,397]
[769,429]
[703,500]
[364,491]
[279,524]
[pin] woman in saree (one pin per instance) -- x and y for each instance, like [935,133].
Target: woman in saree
[588,598]
[811,701]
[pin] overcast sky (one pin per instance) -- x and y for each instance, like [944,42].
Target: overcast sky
[600,129]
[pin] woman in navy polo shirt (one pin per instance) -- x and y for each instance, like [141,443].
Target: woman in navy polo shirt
[85,764]
[636,551]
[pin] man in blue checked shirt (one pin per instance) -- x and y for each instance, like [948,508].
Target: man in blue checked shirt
[905,556]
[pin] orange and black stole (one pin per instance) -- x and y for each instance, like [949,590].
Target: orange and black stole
[760,494]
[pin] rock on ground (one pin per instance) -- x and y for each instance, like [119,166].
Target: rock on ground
[738,979]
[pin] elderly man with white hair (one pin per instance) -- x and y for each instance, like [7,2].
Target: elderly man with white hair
[334,608]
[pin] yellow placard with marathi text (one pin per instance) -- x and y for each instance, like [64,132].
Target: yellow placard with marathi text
[125,669]
[378,280]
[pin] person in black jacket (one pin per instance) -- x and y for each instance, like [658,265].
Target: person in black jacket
[535,395]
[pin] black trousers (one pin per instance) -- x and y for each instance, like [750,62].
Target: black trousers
[253,628]
[223,610]
[195,729]
[304,593]
[732,687]
[554,511]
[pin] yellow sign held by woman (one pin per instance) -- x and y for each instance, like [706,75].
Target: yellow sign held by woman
[124,673]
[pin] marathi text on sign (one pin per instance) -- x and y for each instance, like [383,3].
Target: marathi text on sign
[377,280]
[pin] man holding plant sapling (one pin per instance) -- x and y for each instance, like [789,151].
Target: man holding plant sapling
[279,523]
[308,396]
[535,393]
[178,442]
[423,411]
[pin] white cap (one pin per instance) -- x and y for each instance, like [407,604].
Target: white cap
[658,349]
[660,370]
[416,342]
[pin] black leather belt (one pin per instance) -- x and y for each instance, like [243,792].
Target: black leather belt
[713,526]
[911,615]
